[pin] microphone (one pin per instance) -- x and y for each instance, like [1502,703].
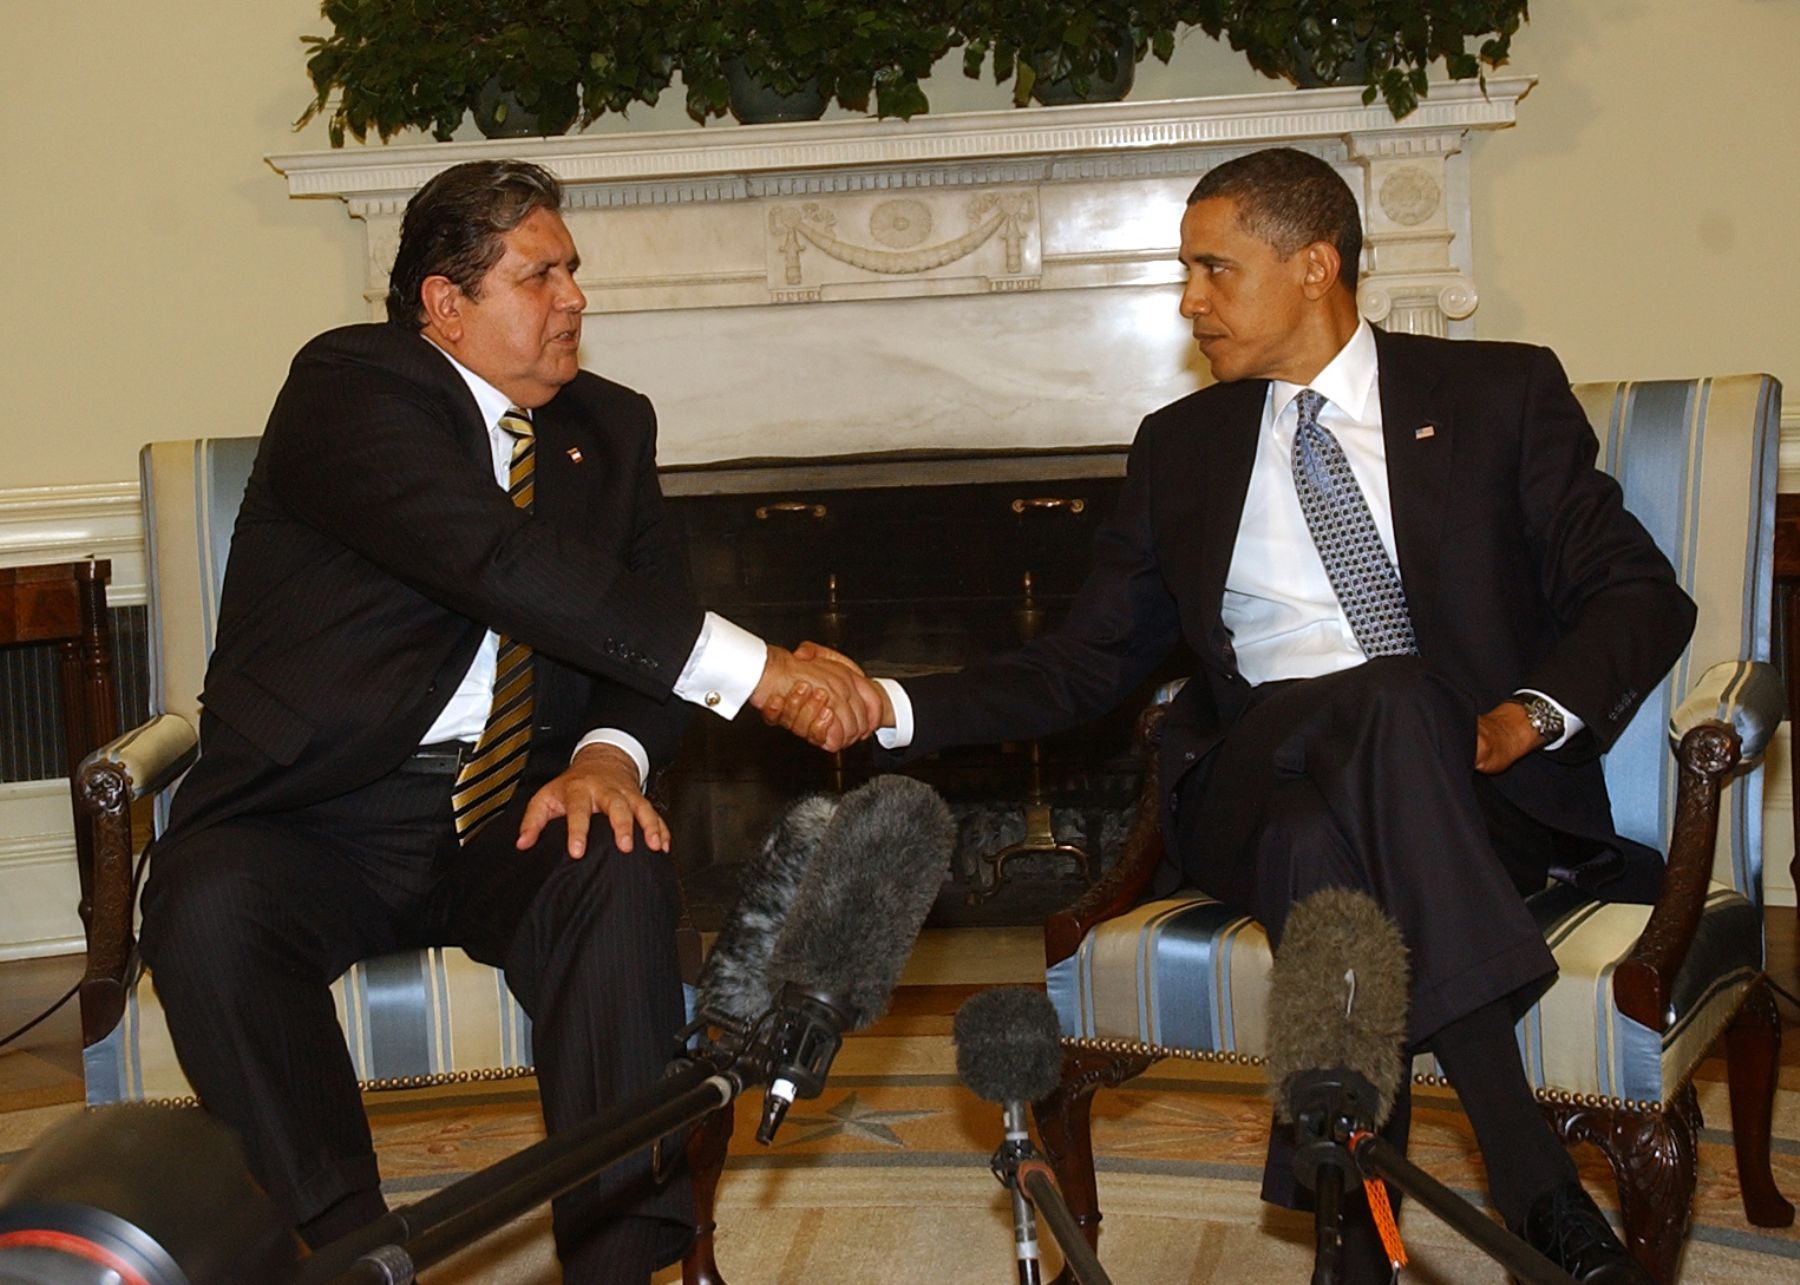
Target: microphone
[733,987]
[856,912]
[1009,1051]
[1337,1019]
[1337,1026]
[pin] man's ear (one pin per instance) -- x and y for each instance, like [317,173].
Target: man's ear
[1320,268]
[443,300]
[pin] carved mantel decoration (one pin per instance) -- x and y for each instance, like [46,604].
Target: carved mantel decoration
[980,279]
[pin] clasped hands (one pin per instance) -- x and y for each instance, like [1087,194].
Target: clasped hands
[820,695]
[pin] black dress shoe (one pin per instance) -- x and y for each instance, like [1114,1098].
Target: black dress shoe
[1567,1227]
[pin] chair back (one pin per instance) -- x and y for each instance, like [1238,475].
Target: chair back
[191,492]
[1683,450]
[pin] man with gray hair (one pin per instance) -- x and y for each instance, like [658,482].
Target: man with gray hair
[455,639]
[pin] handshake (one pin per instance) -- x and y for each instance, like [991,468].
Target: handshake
[821,696]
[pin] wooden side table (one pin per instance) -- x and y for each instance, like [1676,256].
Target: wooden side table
[1787,611]
[65,604]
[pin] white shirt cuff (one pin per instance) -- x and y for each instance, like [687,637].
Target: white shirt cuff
[633,748]
[900,735]
[1571,723]
[724,667]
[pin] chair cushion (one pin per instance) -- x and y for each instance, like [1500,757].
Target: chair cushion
[410,1019]
[1187,977]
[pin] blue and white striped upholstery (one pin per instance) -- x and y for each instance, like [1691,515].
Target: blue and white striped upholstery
[1697,460]
[417,1017]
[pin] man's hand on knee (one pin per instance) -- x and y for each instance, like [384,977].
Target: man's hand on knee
[602,781]
[1503,736]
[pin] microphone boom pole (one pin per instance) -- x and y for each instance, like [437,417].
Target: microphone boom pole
[392,1249]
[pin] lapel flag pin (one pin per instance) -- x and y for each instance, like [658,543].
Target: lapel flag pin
[575,454]
[1419,434]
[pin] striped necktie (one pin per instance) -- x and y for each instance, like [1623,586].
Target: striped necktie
[491,776]
[1356,562]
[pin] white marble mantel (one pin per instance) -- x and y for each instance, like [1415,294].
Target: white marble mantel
[979,279]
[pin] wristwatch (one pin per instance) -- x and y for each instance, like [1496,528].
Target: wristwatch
[1545,718]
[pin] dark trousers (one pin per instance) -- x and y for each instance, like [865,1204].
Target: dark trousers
[1364,779]
[248,922]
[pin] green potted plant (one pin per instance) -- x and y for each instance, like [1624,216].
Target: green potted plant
[521,66]
[1386,45]
[1060,51]
[811,52]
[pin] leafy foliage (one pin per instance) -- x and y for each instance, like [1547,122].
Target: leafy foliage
[391,65]
[1064,40]
[1399,38]
[399,64]
[853,52]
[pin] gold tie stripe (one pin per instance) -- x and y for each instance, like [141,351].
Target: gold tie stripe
[491,776]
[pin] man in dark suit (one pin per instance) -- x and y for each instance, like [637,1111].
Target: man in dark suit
[1419,613]
[455,628]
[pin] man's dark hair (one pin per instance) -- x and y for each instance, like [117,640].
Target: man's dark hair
[454,224]
[1289,199]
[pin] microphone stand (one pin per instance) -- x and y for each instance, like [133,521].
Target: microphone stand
[1332,1111]
[791,1047]
[1033,1186]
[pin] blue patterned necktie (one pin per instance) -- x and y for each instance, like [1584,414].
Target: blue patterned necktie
[1364,580]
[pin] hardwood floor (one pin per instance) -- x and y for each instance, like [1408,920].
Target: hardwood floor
[43,1067]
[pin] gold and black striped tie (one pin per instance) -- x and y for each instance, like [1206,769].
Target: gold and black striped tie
[491,776]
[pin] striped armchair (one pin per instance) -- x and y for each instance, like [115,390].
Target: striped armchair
[1643,993]
[411,1020]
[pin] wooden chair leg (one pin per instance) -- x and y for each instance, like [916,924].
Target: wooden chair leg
[1654,1158]
[1752,1062]
[1064,1127]
[706,1149]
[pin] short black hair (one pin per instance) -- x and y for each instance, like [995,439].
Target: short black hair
[454,224]
[1289,199]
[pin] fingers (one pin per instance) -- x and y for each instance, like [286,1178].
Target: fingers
[580,797]
[810,650]
[578,830]
[546,803]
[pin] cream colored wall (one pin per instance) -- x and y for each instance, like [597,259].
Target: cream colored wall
[157,278]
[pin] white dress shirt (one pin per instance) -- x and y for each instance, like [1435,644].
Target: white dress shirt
[1284,619]
[720,673]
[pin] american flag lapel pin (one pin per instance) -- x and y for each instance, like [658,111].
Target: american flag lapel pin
[1420,434]
[574,453]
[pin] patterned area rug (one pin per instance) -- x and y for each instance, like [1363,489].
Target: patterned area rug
[884,1179]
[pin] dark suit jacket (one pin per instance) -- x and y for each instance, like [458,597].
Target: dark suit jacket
[373,550]
[1521,566]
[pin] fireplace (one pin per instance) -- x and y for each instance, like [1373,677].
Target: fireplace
[910,562]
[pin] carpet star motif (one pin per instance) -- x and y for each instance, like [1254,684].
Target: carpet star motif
[850,1117]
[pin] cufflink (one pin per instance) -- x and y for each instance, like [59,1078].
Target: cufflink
[713,699]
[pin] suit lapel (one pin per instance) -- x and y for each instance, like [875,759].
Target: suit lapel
[471,428]
[1418,429]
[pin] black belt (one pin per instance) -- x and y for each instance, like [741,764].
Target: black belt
[441,758]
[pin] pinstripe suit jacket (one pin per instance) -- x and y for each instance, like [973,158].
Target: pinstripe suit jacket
[1521,566]
[373,550]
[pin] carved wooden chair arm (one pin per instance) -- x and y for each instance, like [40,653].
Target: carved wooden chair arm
[1728,718]
[1121,887]
[130,767]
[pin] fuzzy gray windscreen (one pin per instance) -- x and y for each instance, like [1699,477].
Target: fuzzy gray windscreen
[734,981]
[1337,995]
[865,896]
[1008,1045]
